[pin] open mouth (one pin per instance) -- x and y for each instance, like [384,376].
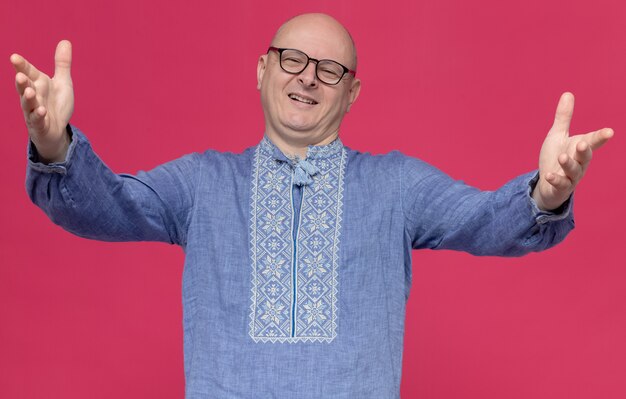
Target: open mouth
[301,99]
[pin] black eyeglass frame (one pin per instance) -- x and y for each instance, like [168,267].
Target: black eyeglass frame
[309,59]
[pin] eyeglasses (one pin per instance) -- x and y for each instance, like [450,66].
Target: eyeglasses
[295,61]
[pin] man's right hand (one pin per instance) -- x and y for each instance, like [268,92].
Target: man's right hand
[47,103]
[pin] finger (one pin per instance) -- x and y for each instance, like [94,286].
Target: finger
[583,154]
[564,113]
[21,65]
[63,60]
[598,138]
[558,181]
[37,119]
[29,100]
[572,169]
[22,82]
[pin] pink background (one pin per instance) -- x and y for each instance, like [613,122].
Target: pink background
[468,86]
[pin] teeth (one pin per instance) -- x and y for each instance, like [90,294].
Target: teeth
[301,99]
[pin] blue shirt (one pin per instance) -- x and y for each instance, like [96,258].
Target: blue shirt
[297,272]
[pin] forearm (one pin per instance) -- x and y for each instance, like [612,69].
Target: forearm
[442,213]
[82,195]
[507,222]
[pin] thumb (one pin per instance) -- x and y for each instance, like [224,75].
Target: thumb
[564,113]
[63,60]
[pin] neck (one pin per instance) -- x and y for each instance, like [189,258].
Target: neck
[293,149]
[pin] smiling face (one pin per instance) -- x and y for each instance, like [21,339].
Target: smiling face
[299,109]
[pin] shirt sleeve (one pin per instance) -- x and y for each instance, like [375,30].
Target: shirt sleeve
[82,195]
[443,213]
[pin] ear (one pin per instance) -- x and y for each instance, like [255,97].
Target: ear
[260,70]
[355,89]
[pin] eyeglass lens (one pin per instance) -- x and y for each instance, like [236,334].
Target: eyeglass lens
[294,61]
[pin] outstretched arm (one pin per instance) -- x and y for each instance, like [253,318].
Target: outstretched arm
[446,214]
[75,188]
[564,159]
[47,102]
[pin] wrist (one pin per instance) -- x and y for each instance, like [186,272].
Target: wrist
[542,204]
[54,152]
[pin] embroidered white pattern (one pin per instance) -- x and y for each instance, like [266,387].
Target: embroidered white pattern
[301,307]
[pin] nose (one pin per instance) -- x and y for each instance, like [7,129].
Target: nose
[308,78]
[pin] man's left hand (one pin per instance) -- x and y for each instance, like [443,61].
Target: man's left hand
[564,159]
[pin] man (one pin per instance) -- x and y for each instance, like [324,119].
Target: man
[298,251]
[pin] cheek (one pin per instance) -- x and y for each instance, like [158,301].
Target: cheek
[338,104]
[270,93]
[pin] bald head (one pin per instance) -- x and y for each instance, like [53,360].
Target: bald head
[322,29]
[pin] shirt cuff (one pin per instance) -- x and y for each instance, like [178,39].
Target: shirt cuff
[35,163]
[542,217]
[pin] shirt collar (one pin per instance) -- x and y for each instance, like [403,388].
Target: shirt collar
[329,150]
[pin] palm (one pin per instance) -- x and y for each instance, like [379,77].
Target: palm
[58,97]
[564,159]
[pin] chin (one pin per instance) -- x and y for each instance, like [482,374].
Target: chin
[300,126]
[300,135]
